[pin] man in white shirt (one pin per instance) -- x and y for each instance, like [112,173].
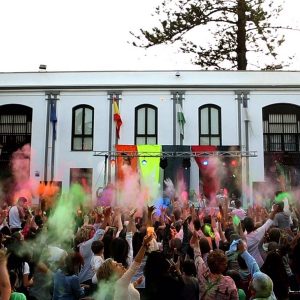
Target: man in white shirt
[16,215]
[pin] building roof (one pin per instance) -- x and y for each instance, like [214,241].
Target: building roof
[182,79]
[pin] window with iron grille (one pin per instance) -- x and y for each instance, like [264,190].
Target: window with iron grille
[15,128]
[82,128]
[146,125]
[281,125]
[210,125]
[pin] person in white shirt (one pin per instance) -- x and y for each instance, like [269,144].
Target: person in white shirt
[97,259]
[16,215]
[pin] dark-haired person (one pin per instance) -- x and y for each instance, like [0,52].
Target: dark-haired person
[254,236]
[282,220]
[18,263]
[191,285]
[238,282]
[98,258]
[84,239]
[213,284]
[261,285]
[274,268]
[15,295]
[162,280]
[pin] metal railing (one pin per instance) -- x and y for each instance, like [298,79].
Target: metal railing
[174,154]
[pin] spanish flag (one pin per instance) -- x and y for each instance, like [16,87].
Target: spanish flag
[117,118]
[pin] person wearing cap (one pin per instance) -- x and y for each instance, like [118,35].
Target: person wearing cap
[17,215]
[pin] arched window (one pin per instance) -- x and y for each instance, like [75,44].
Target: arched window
[15,132]
[210,125]
[146,125]
[281,128]
[82,128]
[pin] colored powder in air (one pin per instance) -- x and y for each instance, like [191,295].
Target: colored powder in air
[280,197]
[236,220]
[62,219]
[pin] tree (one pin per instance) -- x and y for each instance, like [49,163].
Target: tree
[238,28]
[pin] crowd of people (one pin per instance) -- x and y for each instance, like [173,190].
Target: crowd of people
[175,252]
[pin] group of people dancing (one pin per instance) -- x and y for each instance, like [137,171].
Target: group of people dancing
[173,252]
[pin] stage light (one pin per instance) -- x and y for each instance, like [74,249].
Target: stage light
[233,163]
[186,163]
[144,162]
[205,163]
[163,162]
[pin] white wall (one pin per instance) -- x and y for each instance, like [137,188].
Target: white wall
[144,88]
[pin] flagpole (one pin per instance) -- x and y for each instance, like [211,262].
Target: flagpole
[53,144]
[174,117]
[179,102]
[116,143]
[53,102]
[47,137]
[110,98]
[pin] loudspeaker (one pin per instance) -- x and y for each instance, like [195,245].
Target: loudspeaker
[186,163]
[163,162]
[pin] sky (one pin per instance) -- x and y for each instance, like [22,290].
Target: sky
[93,35]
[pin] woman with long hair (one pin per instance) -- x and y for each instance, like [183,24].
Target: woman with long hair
[19,263]
[274,268]
[115,279]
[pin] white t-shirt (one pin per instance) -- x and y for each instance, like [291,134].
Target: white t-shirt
[14,217]
[26,271]
[96,263]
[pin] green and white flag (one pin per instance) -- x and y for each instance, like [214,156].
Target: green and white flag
[180,119]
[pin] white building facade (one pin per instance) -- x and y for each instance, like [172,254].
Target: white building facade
[259,112]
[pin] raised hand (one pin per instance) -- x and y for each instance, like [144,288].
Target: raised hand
[147,239]
[163,210]
[151,210]
[194,242]
[132,212]
[241,246]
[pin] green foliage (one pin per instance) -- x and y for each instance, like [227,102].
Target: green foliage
[236,27]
